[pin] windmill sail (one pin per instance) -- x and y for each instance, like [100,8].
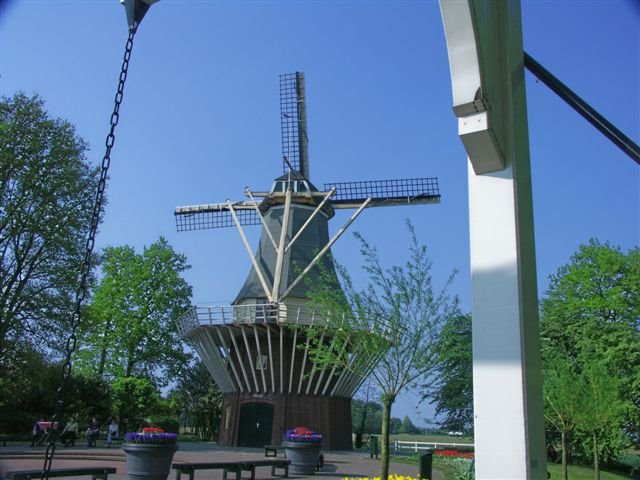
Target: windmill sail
[293,124]
[214,215]
[385,192]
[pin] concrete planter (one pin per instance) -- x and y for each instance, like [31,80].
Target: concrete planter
[303,455]
[148,461]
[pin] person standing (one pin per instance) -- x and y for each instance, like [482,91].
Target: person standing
[112,431]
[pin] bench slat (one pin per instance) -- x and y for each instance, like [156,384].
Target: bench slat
[61,472]
[231,467]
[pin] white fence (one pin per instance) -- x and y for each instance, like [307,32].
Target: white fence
[401,446]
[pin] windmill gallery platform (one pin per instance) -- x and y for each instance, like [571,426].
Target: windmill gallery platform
[338,464]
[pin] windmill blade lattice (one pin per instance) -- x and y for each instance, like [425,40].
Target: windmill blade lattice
[385,192]
[293,124]
[215,215]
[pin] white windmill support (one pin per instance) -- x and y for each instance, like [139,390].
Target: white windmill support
[293,356]
[263,282]
[311,217]
[313,367]
[324,368]
[304,364]
[484,42]
[239,357]
[273,379]
[230,359]
[249,357]
[212,360]
[281,245]
[261,365]
[281,358]
[326,248]
[333,369]
[249,194]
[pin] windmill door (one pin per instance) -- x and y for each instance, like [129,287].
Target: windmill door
[256,421]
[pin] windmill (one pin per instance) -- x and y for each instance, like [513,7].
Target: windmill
[256,348]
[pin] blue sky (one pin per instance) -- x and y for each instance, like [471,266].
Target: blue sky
[200,119]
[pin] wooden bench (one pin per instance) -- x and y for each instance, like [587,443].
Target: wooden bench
[95,472]
[272,450]
[232,467]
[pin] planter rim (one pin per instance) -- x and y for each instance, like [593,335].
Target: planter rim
[287,443]
[135,446]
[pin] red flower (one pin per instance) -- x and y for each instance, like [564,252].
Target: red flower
[152,430]
[453,453]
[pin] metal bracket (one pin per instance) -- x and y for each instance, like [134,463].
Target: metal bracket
[136,10]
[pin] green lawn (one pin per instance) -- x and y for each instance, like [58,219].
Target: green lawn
[579,472]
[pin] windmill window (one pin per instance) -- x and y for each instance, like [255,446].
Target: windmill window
[261,362]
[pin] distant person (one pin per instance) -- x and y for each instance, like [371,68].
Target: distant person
[112,431]
[93,431]
[36,433]
[70,433]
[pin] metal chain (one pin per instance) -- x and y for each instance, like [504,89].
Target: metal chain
[85,269]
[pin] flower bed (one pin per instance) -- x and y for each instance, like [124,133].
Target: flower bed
[302,434]
[453,453]
[391,477]
[151,436]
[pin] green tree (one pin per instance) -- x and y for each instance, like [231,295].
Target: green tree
[564,396]
[396,318]
[452,388]
[46,199]
[408,426]
[135,400]
[592,306]
[363,412]
[88,397]
[200,401]
[602,414]
[395,425]
[131,329]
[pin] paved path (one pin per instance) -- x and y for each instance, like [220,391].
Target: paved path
[336,464]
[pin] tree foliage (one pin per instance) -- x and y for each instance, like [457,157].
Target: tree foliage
[591,352]
[47,191]
[365,413]
[408,427]
[131,329]
[134,400]
[28,392]
[396,318]
[452,388]
[601,416]
[200,401]
[564,391]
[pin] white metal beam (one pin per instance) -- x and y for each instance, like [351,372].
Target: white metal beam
[229,357]
[484,41]
[249,193]
[277,277]
[326,248]
[256,266]
[250,358]
[239,357]
[255,334]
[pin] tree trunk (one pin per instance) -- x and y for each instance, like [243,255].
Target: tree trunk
[596,457]
[563,450]
[387,401]
[363,419]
